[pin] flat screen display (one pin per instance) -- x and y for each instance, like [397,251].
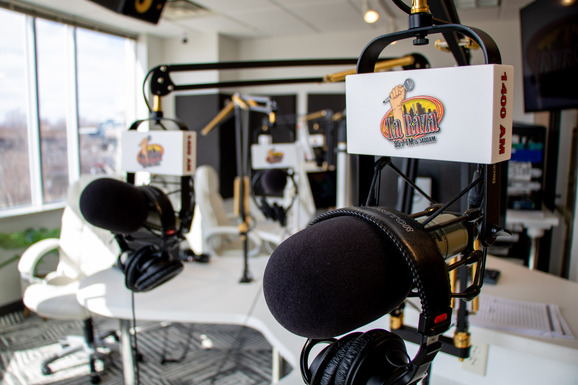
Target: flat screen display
[549,30]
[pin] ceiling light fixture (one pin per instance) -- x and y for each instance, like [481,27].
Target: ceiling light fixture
[183,10]
[370,16]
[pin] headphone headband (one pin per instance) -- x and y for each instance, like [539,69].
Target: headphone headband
[275,212]
[180,124]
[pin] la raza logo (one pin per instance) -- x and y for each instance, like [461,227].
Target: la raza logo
[412,121]
[150,154]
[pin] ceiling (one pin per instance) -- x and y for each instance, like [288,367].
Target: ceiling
[268,18]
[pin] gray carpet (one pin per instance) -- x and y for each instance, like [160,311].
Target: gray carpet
[238,355]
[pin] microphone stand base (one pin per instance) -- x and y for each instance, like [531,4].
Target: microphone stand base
[246,280]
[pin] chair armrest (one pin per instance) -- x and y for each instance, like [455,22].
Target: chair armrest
[272,238]
[34,254]
[233,231]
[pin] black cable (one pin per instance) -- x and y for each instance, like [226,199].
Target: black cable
[376,180]
[134,343]
[238,337]
[403,6]
[451,201]
[186,347]
[144,94]
[411,183]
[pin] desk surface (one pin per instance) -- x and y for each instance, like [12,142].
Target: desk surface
[202,293]
[519,283]
[211,293]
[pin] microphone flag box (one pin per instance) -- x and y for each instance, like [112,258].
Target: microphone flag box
[461,114]
[274,155]
[159,152]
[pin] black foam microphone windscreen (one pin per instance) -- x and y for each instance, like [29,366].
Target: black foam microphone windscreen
[333,277]
[114,205]
[274,181]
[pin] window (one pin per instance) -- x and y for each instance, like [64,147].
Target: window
[103,99]
[14,145]
[66,94]
[51,58]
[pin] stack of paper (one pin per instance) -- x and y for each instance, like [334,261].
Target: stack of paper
[531,318]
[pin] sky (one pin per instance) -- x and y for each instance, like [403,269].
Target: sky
[100,98]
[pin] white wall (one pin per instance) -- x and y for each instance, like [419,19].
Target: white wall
[152,51]
[198,49]
[336,45]
[507,37]
[506,33]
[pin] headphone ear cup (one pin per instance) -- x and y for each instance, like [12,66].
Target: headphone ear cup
[123,259]
[267,210]
[324,366]
[376,351]
[133,259]
[148,268]
[377,356]
[280,214]
[350,355]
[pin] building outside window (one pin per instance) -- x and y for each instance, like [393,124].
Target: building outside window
[66,94]
[15,189]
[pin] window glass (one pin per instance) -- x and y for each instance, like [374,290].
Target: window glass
[71,119]
[103,100]
[53,101]
[14,162]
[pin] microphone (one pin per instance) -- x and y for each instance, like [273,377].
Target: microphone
[114,205]
[274,181]
[408,85]
[341,273]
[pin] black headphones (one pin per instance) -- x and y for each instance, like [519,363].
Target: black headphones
[274,212]
[379,357]
[152,265]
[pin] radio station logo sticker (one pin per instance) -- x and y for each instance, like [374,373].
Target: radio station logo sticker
[274,156]
[412,121]
[150,154]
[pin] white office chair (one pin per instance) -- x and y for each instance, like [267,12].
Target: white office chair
[218,229]
[82,250]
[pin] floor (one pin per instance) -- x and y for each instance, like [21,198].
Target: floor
[195,354]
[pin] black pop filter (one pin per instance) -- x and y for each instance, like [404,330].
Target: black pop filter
[114,205]
[334,276]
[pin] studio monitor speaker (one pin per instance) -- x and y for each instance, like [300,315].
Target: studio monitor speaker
[146,10]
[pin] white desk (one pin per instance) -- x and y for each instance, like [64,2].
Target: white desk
[515,358]
[202,293]
[210,293]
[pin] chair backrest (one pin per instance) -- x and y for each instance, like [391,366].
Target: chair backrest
[210,207]
[84,248]
[208,197]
